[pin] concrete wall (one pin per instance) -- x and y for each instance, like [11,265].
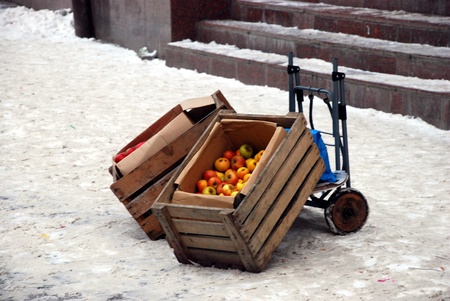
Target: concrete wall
[153,23]
[44,4]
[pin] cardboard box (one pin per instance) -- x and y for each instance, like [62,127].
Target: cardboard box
[138,189]
[226,134]
[169,127]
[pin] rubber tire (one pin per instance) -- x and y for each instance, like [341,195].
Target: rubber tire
[347,211]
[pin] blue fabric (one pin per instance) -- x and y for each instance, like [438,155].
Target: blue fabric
[328,175]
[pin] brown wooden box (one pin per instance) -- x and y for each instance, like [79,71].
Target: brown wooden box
[139,189]
[246,237]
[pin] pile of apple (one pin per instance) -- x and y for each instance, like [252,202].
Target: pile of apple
[120,156]
[230,173]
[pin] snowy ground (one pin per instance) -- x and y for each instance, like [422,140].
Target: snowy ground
[68,104]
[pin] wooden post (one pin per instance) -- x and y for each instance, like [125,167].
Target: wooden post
[82,16]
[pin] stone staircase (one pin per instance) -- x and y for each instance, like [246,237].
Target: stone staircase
[395,61]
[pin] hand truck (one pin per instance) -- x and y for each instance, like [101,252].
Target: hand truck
[346,209]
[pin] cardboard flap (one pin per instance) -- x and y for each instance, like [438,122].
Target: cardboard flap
[271,148]
[194,159]
[197,102]
[186,198]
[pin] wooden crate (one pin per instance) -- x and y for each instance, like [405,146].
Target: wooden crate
[245,237]
[139,189]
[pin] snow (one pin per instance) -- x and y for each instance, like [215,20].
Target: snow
[68,104]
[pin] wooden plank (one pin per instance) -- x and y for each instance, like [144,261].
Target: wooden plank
[247,258]
[200,227]
[164,160]
[207,242]
[282,201]
[270,171]
[162,214]
[143,202]
[213,257]
[283,226]
[277,185]
[151,227]
[198,213]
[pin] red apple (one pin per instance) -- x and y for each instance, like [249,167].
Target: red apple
[237,162]
[219,188]
[139,144]
[130,150]
[222,164]
[242,171]
[229,154]
[201,184]
[214,181]
[119,157]
[209,174]
[231,177]
[209,190]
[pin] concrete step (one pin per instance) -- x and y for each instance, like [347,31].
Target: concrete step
[429,7]
[398,26]
[426,99]
[423,61]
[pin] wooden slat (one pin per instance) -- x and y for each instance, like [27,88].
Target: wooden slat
[207,242]
[165,220]
[151,227]
[282,201]
[165,159]
[213,257]
[247,258]
[271,170]
[196,212]
[277,185]
[143,202]
[283,226]
[200,227]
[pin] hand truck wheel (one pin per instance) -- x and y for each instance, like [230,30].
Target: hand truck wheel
[347,211]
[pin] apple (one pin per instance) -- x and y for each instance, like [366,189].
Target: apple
[220,174]
[228,189]
[130,150]
[237,161]
[209,190]
[234,193]
[219,188]
[214,181]
[209,174]
[242,171]
[201,184]
[139,144]
[246,177]
[259,155]
[246,151]
[229,154]
[251,164]
[231,177]
[240,185]
[119,157]
[222,164]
